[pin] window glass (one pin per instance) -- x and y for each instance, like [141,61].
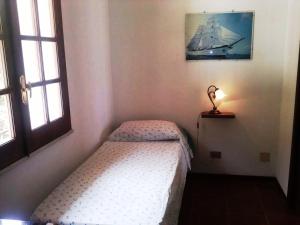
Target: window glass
[49,50]
[37,108]
[31,61]
[45,8]
[6,127]
[3,73]
[26,16]
[1,28]
[54,101]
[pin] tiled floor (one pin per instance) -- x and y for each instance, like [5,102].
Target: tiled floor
[229,200]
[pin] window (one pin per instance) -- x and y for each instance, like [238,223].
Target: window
[34,103]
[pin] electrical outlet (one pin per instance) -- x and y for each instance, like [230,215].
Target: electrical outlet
[215,155]
[265,157]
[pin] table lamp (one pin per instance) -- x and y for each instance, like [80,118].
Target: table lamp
[214,94]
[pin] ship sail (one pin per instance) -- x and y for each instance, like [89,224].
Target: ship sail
[197,40]
[228,37]
[212,35]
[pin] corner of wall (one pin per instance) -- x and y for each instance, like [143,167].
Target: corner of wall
[288,94]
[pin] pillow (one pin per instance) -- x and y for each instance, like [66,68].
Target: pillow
[146,130]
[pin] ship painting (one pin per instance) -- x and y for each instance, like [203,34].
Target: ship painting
[219,36]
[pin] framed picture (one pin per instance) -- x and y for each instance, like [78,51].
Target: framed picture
[219,35]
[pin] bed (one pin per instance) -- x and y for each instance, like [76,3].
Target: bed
[137,177]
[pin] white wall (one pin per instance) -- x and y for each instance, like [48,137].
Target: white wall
[152,79]
[24,185]
[288,94]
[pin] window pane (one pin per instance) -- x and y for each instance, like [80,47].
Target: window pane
[31,61]
[6,127]
[1,27]
[54,101]
[26,17]
[37,108]
[3,74]
[45,8]
[50,60]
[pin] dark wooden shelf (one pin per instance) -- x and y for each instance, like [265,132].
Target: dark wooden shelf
[222,115]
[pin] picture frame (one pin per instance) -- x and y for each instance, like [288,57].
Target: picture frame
[222,36]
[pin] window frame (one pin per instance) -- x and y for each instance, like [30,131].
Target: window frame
[29,140]
[12,150]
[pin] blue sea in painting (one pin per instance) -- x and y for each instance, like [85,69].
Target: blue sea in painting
[227,56]
[219,36]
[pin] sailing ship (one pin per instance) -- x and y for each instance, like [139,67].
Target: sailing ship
[212,41]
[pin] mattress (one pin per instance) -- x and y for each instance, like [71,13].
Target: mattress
[122,183]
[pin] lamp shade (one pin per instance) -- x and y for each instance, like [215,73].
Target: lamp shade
[219,94]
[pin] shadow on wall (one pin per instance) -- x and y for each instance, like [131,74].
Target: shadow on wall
[104,135]
[239,147]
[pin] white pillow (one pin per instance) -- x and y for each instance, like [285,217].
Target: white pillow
[146,130]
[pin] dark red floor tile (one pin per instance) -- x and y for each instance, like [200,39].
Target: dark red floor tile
[273,202]
[230,200]
[248,220]
[283,219]
[244,205]
[200,219]
[211,205]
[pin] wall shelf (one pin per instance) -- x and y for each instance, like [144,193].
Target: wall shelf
[222,115]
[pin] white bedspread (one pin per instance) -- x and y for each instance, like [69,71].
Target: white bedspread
[122,183]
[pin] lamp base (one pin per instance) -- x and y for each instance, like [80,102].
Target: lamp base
[214,111]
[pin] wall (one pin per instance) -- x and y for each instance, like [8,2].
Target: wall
[152,79]
[24,185]
[288,94]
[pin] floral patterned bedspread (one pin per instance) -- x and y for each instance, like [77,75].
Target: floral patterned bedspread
[122,183]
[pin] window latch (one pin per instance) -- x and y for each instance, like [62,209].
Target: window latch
[25,88]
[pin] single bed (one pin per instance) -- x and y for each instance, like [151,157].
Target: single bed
[122,183]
